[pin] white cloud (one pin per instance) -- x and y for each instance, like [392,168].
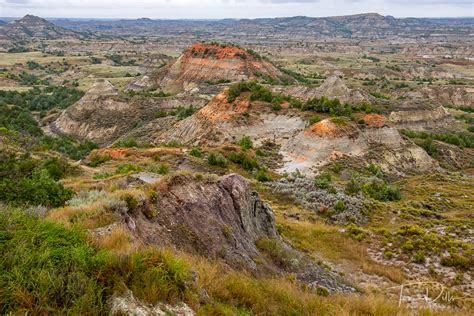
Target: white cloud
[169,9]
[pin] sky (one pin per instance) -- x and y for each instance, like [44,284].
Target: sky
[217,9]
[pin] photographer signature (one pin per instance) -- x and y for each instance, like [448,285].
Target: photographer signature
[443,294]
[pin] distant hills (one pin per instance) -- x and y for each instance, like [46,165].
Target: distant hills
[369,25]
[32,27]
[360,26]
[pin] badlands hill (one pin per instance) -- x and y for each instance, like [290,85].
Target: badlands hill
[31,27]
[210,63]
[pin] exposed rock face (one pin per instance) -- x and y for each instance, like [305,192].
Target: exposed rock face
[102,116]
[222,218]
[422,119]
[128,304]
[203,63]
[308,150]
[332,87]
[449,95]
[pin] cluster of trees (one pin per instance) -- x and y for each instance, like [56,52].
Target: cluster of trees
[42,99]
[317,104]
[460,140]
[25,180]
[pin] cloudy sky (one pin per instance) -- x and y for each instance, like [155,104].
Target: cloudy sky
[205,9]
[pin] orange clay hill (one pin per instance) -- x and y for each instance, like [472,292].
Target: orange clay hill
[205,64]
[327,128]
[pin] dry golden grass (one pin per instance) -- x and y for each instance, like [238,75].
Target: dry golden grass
[327,241]
[118,241]
[233,292]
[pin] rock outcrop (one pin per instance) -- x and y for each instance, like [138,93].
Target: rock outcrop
[222,218]
[102,116]
[332,87]
[209,63]
[421,119]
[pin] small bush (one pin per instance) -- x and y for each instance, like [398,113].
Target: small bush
[163,169]
[353,187]
[127,168]
[217,160]
[323,181]
[339,206]
[246,143]
[381,191]
[196,152]
[457,260]
[242,159]
[97,160]
[314,119]
[262,176]
[126,143]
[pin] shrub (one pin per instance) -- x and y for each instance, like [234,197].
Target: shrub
[127,168]
[196,152]
[323,181]
[356,232]
[156,157]
[314,119]
[419,257]
[156,275]
[246,143]
[457,260]
[339,206]
[97,160]
[262,176]
[217,160]
[430,147]
[353,187]
[28,181]
[126,143]
[242,159]
[163,169]
[381,191]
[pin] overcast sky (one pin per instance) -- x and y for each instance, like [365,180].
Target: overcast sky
[205,9]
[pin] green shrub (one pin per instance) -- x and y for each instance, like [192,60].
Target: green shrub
[127,168]
[126,143]
[314,119]
[242,159]
[339,206]
[156,276]
[430,147]
[173,144]
[262,176]
[28,181]
[67,146]
[196,152]
[245,143]
[458,261]
[217,160]
[97,160]
[323,181]
[156,157]
[419,257]
[356,232]
[381,191]
[163,169]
